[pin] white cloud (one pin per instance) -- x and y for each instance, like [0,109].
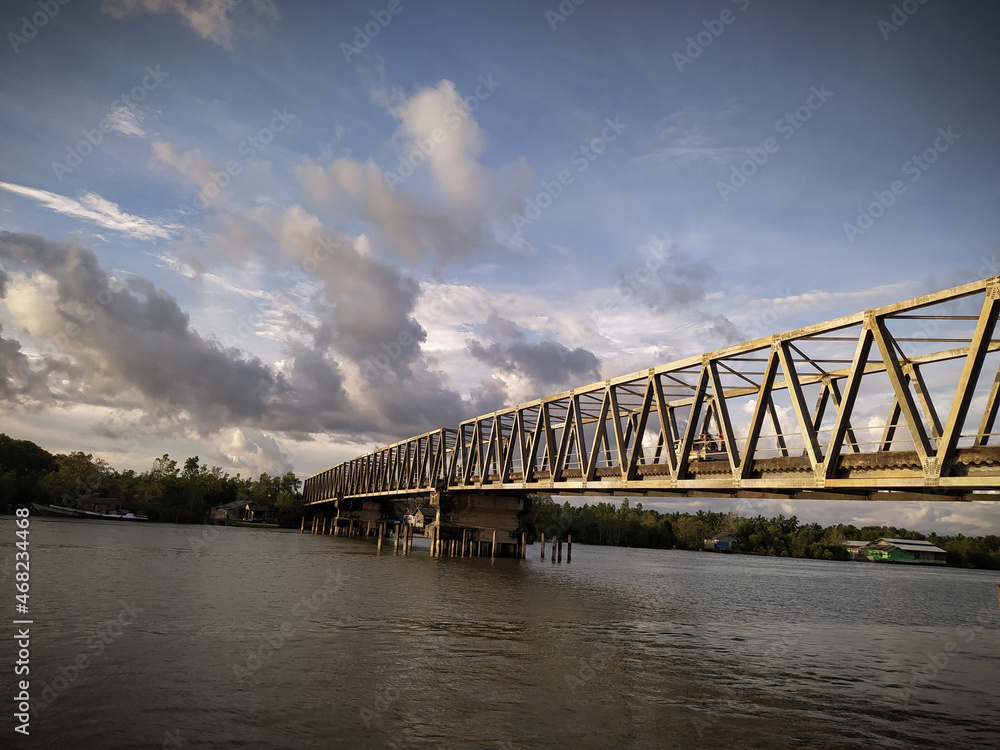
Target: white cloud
[208,18]
[97,210]
[254,452]
[124,121]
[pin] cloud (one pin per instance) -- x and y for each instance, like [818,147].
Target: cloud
[547,365]
[131,344]
[435,129]
[210,19]
[691,140]
[95,209]
[665,279]
[253,451]
[124,121]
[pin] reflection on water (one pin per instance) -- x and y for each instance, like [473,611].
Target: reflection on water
[269,639]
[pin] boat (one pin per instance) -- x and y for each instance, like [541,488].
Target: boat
[252,524]
[61,511]
[114,515]
[56,511]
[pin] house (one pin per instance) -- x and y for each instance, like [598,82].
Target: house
[243,510]
[92,501]
[420,517]
[721,541]
[898,551]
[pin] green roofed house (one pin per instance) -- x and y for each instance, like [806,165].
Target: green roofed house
[899,551]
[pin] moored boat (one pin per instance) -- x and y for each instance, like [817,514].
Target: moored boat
[61,511]
[56,511]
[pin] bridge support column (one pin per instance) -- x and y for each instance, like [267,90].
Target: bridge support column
[466,520]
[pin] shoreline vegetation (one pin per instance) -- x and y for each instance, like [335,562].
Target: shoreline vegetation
[628,525]
[186,493]
[168,491]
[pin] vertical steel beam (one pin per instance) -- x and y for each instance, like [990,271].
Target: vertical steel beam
[806,427]
[845,405]
[760,409]
[966,388]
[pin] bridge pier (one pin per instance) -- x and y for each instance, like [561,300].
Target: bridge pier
[467,521]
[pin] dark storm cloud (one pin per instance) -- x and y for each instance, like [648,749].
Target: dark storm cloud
[135,338]
[548,364]
[130,346]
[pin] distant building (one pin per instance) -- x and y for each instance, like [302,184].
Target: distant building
[243,510]
[420,517]
[721,541]
[898,551]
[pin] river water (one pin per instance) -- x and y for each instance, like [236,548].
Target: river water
[164,636]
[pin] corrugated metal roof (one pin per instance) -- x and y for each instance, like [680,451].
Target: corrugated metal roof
[914,545]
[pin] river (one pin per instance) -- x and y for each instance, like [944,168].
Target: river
[164,636]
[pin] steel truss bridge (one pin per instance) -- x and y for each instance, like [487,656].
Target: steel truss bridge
[895,403]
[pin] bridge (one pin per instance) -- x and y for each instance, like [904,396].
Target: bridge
[887,404]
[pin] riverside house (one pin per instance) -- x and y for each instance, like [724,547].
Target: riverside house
[898,551]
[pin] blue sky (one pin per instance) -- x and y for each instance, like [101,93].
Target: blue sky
[285,233]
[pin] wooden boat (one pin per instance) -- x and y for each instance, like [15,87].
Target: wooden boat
[56,511]
[61,511]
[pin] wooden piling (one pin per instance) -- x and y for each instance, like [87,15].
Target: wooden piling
[553,549]
[465,535]
[302,528]
[569,548]
[524,545]
[543,546]
[380,532]
[395,539]
[434,536]
[560,551]
[493,552]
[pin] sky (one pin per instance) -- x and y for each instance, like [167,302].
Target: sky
[277,235]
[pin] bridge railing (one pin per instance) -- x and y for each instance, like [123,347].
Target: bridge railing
[887,398]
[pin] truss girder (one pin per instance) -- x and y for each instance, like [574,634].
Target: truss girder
[737,420]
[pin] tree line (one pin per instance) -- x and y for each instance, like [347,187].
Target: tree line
[168,491]
[628,525]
